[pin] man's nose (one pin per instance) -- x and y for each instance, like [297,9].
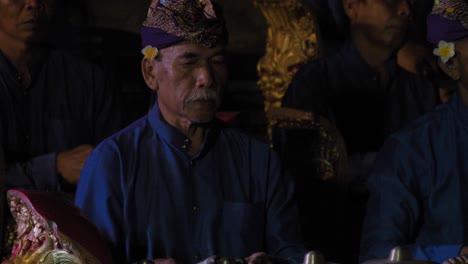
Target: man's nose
[404,8]
[205,76]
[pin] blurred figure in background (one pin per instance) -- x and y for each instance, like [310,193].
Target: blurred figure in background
[54,107]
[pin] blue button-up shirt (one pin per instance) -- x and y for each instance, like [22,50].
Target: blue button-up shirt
[151,200]
[419,188]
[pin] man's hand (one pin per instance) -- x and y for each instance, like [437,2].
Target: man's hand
[457,260]
[258,258]
[462,258]
[70,162]
[164,261]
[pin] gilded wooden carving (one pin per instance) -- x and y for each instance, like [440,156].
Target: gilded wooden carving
[291,42]
[330,155]
[37,240]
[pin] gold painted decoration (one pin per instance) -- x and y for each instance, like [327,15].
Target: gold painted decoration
[291,42]
[37,240]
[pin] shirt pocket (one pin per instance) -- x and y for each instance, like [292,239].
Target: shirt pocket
[242,229]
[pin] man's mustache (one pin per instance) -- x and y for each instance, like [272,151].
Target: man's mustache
[202,95]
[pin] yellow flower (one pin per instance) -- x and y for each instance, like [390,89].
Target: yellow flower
[445,50]
[450,10]
[150,52]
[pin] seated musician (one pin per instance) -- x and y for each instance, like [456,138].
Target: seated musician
[178,186]
[54,107]
[361,88]
[418,186]
[363,91]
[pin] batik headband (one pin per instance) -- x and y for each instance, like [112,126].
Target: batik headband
[172,21]
[447,22]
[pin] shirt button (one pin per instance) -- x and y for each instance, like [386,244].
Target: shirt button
[190,164]
[196,208]
[187,143]
[197,257]
[27,138]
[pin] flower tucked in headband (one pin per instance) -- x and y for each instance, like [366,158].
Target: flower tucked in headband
[150,52]
[445,50]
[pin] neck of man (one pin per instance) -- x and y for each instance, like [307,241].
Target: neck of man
[16,51]
[21,55]
[374,54]
[195,132]
[197,135]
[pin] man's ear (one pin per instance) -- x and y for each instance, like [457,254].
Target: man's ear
[149,73]
[350,8]
[451,68]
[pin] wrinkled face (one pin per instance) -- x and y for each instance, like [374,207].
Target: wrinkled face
[384,22]
[461,51]
[25,20]
[190,79]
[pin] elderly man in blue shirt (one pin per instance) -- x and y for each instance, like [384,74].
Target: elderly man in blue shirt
[418,187]
[178,186]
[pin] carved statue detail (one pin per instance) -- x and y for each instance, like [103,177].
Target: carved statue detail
[40,241]
[291,42]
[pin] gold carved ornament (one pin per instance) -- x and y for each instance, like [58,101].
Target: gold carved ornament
[37,240]
[291,42]
[330,154]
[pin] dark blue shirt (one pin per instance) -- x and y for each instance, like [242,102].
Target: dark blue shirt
[365,109]
[418,188]
[150,200]
[69,103]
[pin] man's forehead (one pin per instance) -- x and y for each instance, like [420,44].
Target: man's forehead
[390,2]
[184,48]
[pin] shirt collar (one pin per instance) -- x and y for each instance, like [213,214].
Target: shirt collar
[6,66]
[351,55]
[175,137]
[35,68]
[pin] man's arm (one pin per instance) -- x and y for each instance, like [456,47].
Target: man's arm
[283,237]
[38,173]
[308,88]
[100,197]
[436,253]
[393,210]
[305,92]
[47,172]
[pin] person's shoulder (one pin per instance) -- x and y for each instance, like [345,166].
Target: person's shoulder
[57,54]
[315,68]
[125,138]
[326,67]
[426,127]
[237,137]
[73,64]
